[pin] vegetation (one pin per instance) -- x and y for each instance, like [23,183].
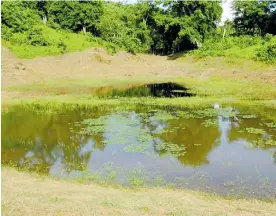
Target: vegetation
[218,64]
[51,28]
[59,197]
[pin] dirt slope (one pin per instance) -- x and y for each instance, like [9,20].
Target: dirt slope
[95,63]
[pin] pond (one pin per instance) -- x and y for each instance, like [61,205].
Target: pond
[225,150]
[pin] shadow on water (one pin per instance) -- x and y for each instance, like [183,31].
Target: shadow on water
[167,90]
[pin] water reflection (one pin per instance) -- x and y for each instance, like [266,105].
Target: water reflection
[168,89]
[52,143]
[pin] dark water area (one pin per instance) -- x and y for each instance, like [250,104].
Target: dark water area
[222,150]
[165,90]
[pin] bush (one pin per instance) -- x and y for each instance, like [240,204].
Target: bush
[62,46]
[35,37]
[6,32]
[267,53]
[248,47]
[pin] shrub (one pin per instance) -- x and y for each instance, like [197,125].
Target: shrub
[6,32]
[267,53]
[35,37]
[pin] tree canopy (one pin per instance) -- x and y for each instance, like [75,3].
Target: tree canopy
[160,27]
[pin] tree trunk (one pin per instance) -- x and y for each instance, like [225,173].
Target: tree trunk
[224,32]
[84,29]
[44,19]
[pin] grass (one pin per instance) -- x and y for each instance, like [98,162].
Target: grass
[58,42]
[215,87]
[33,194]
[254,48]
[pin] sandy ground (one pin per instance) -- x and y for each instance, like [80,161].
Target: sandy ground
[96,63]
[34,195]
[91,63]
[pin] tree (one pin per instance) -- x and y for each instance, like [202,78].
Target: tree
[183,25]
[19,16]
[254,17]
[76,15]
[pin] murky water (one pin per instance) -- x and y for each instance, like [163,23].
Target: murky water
[168,89]
[223,151]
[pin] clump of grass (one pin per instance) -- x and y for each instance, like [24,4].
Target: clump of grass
[137,178]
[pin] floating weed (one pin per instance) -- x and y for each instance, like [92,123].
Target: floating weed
[136,148]
[185,115]
[270,124]
[93,126]
[270,142]
[163,116]
[197,144]
[248,116]
[204,113]
[262,142]
[228,112]
[173,149]
[210,123]
[255,130]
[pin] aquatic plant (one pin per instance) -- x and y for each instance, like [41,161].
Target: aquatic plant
[210,123]
[172,149]
[93,126]
[248,116]
[137,177]
[270,124]
[140,147]
[255,130]
[263,142]
[162,115]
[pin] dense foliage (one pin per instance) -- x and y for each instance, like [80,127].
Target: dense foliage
[159,27]
[255,17]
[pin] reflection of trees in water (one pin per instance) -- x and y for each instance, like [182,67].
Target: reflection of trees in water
[40,140]
[51,139]
[197,139]
[252,123]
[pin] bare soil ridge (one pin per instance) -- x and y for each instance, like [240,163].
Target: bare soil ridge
[96,63]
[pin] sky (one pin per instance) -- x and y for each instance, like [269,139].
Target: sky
[227,11]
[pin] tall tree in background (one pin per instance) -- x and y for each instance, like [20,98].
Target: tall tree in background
[184,25]
[254,17]
[19,16]
[76,15]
